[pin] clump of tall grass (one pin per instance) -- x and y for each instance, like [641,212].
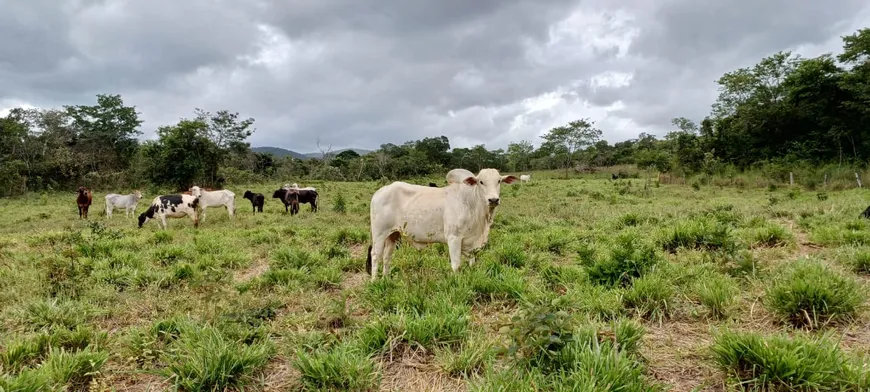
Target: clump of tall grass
[629,257]
[699,233]
[342,368]
[716,292]
[204,358]
[810,294]
[650,296]
[471,357]
[857,259]
[769,235]
[779,362]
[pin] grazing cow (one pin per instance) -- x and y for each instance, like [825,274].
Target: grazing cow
[211,199]
[613,176]
[257,200]
[296,186]
[83,200]
[301,195]
[433,185]
[173,206]
[126,202]
[459,215]
[866,213]
[525,177]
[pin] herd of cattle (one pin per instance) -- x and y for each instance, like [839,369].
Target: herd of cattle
[187,203]
[459,214]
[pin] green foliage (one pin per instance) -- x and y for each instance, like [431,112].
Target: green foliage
[628,258]
[340,204]
[341,368]
[782,363]
[808,293]
[205,358]
[538,334]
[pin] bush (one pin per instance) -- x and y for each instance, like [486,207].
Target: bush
[810,294]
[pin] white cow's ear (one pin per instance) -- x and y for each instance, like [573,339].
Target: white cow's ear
[471,181]
[508,179]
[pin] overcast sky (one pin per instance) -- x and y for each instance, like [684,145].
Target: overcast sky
[359,73]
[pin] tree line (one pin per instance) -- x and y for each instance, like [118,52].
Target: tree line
[784,110]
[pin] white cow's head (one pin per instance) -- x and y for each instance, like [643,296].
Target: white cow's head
[138,194]
[195,191]
[488,183]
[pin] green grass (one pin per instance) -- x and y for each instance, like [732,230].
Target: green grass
[595,286]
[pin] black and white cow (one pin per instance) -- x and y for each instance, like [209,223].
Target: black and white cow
[172,206]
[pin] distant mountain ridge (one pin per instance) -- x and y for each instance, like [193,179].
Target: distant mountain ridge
[279,152]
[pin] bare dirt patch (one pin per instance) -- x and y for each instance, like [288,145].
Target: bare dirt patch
[257,269]
[677,353]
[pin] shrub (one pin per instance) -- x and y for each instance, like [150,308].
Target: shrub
[538,333]
[810,294]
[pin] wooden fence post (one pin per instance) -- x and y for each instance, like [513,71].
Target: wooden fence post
[858,179]
[790,178]
[826,180]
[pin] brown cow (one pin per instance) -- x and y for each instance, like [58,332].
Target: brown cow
[84,201]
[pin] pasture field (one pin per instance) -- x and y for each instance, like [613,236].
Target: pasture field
[585,285]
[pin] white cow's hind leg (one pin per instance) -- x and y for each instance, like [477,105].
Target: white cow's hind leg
[109,210]
[389,248]
[377,251]
[454,244]
[163,220]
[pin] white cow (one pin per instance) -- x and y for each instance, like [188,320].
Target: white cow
[126,202]
[210,199]
[172,206]
[296,186]
[459,215]
[525,177]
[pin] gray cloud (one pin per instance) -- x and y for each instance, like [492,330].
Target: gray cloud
[359,74]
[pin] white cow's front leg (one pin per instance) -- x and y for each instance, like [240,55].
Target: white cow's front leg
[163,220]
[454,244]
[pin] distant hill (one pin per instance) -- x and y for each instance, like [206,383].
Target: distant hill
[279,152]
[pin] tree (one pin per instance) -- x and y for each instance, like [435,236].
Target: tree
[183,155]
[224,129]
[106,132]
[566,140]
[519,155]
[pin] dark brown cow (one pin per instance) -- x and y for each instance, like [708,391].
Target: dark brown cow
[300,195]
[84,201]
